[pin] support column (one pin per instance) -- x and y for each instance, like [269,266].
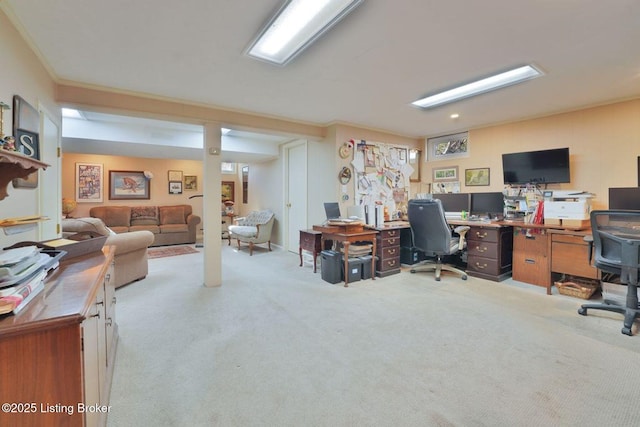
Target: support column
[212,221]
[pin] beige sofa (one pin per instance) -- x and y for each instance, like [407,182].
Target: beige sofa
[131,261]
[170,225]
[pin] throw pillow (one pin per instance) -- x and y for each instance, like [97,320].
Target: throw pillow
[144,212]
[172,215]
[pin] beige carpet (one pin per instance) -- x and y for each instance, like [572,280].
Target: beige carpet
[277,346]
[167,251]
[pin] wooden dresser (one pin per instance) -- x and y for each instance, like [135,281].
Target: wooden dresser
[489,251]
[58,353]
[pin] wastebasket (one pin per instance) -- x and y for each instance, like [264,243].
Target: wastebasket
[354,269]
[366,266]
[331,266]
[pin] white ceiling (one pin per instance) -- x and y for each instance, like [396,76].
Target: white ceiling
[366,71]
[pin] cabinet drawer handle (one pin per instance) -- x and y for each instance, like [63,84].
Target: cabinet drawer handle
[391,233]
[96,315]
[392,241]
[392,263]
[481,249]
[113,300]
[109,321]
[481,267]
[530,261]
[100,303]
[392,251]
[482,236]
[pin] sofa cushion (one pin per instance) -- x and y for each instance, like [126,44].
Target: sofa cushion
[144,215]
[152,228]
[117,216]
[174,228]
[172,215]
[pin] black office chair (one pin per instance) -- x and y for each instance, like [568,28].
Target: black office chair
[433,236]
[616,239]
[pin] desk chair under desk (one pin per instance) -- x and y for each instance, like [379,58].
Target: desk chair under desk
[616,236]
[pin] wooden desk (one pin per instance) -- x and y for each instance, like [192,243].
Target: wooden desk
[310,240]
[347,235]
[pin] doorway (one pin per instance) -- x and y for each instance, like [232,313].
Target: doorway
[295,192]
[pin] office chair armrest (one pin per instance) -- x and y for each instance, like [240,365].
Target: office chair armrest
[461,230]
[589,239]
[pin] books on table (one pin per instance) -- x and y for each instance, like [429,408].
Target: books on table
[22,294]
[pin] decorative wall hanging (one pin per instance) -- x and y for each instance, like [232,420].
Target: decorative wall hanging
[346,148]
[89,179]
[128,185]
[26,129]
[175,176]
[448,146]
[445,174]
[479,177]
[228,191]
[190,182]
[175,187]
[345,175]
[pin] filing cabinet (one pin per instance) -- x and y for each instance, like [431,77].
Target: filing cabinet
[489,252]
[388,251]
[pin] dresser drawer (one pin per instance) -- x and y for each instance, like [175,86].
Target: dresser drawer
[483,234]
[483,265]
[386,234]
[482,249]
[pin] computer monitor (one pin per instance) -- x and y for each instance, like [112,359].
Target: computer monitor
[332,210]
[487,204]
[453,202]
[625,198]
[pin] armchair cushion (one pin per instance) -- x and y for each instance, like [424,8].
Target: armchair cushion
[254,228]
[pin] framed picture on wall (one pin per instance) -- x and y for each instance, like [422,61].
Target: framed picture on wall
[478,176]
[175,175]
[228,192]
[190,182]
[128,185]
[445,174]
[175,187]
[89,179]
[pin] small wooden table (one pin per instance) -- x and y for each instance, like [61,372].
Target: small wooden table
[310,240]
[347,234]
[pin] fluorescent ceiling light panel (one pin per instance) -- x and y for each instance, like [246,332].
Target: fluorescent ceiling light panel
[497,81]
[295,26]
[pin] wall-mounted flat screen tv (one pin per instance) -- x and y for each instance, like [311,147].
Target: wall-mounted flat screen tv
[536,167]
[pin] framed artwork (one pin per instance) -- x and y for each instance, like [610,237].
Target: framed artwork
[89,179]
[175,187]
[448,146]
[228,192]
[479,176]
[445,174]
[26,128]
[175,176]
[190,182]
[128,185]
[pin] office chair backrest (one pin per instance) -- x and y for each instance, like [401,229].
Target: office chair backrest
[616,238]
[429,227]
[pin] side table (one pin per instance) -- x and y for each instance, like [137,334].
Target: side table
[310,240]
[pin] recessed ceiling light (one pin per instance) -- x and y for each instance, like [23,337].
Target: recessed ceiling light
[477,87]
[296,25]
[455,115]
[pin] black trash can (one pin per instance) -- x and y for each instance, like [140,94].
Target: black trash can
[366,266]
[331,266]
[355,269]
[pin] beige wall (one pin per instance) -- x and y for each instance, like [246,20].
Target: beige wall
[604,144]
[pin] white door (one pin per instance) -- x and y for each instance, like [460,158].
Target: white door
[50,184]
[295,192]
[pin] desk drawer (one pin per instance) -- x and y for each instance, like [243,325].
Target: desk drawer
[572,258]
[483,265]
[483,234]
[389,252]
[482,249]
[388,264]
[386,234]
[309,241]
[390,241]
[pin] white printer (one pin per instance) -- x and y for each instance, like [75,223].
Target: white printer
[567,204]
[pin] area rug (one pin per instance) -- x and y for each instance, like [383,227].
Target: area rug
[171,251]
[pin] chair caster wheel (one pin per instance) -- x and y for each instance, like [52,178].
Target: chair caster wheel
[582,311]
[413,271]
[626,331]
[437,279]
[464,277]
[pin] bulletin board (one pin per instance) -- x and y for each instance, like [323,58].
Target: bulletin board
[383,175]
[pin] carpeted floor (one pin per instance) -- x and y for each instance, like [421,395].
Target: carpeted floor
[167,251]
[275,345]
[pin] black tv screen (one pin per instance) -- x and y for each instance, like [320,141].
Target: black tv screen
[454,202]
[536,167]
[625,198]
[489,204]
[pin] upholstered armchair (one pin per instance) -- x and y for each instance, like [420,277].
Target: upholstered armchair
[253,229]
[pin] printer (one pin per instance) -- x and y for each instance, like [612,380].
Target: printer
[566,205]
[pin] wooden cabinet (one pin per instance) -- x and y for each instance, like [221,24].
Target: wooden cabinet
[388,251]
[570,255]
[489,252]
[58,353]
[310,240]
[530,257]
